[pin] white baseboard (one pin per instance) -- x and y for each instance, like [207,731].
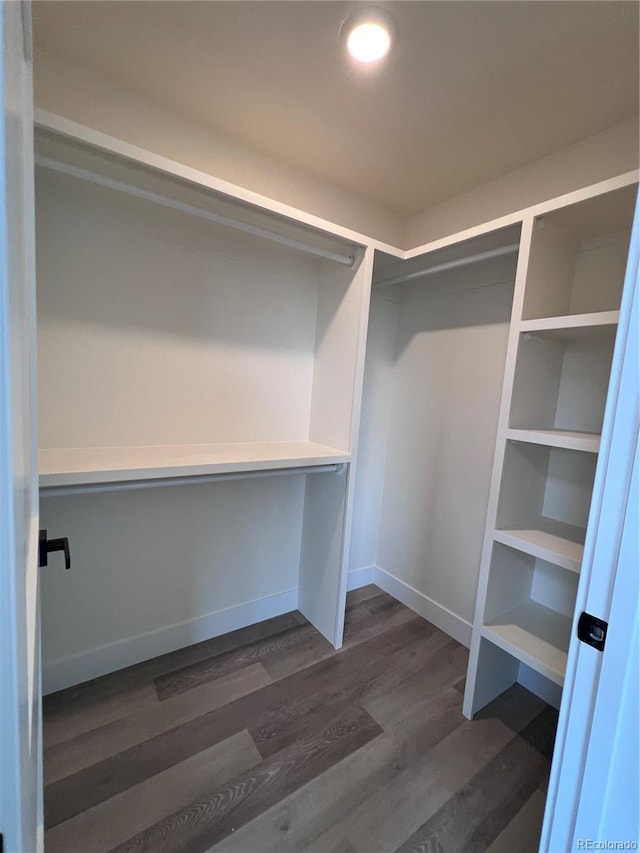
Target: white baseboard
[74,669]
[92,663]
[433,612]
[360,577]
[538,684]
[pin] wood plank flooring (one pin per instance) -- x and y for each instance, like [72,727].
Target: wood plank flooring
[267,740]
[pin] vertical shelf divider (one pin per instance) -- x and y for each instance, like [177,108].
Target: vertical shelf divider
[500,670]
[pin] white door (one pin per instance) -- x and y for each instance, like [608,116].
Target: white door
[609,804]
[594,796]
[20,727]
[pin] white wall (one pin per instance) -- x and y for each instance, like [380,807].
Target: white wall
[162,568]
[374,424]
[155,328]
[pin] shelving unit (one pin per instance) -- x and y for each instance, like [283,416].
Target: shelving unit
[563,329]
[188,337]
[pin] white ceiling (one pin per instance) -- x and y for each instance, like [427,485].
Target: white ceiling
[472,90]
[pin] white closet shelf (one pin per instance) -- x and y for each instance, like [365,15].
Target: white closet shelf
[140,173]
[72,466]
[554,541]
[535,635]
[572,323]
[586,441]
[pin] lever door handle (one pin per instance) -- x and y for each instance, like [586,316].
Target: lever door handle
[47,546]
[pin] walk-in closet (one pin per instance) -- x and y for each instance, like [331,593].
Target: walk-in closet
[319,388]
[244,415]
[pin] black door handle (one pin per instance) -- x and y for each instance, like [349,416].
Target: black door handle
[46,546]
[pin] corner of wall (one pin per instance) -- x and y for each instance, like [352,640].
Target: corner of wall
[86,97]
[604,155]
[92,663]
[439,615]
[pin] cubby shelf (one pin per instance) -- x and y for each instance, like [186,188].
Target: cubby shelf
[562,374]
[91,465]
[563,438]
[571,321]
[554,541]
[535,635]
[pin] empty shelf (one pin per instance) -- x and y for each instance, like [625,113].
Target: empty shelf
[554,541]
[576,323]
[535,635]
[89,465]
[586,441]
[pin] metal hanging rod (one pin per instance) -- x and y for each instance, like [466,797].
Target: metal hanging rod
[449,265]
[129,485]
[165,201]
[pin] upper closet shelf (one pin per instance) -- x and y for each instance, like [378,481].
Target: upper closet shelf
[77,160]
[490,254]
[481,261]
[84,466]
[564,438]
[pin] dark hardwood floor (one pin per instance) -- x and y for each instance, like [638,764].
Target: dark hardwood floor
[267,740]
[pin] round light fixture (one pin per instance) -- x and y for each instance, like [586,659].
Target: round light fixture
[369,35]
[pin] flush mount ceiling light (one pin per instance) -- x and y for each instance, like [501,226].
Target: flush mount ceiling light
[368,35]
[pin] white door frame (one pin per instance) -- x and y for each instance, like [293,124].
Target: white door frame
[21,818]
